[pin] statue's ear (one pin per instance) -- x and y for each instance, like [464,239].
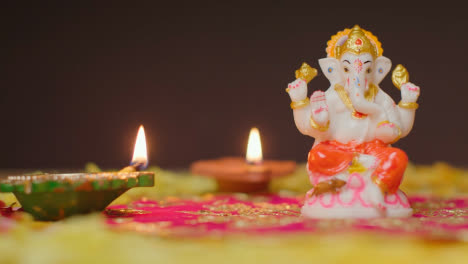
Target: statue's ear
[382,67]
[331,69]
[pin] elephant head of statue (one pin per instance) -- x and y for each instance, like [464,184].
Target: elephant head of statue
[355,61]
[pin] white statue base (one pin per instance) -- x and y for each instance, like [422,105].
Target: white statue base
[359,198]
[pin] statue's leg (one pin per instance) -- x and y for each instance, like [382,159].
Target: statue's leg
[328,159]
[390,169]
[386,204]
[343,186]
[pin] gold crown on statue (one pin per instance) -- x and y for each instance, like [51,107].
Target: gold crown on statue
[355,40]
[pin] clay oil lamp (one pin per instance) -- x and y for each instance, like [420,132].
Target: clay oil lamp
[249,174]
[51,197]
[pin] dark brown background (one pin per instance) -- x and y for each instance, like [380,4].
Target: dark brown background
[76,81]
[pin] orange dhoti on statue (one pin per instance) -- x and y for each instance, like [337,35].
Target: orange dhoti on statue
[331,157]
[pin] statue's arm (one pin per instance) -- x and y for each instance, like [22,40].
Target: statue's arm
[391,111]
[388,124]
[407,107]
[399,119]
[310,115]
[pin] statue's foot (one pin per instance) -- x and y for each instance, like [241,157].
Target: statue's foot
[331,186]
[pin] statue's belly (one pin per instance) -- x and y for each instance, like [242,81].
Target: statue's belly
[346,128]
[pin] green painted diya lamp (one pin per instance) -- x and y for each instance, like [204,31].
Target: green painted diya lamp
[51,197]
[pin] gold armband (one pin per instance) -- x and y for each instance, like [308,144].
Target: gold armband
[413,105]
[383,122]
[299,104]
[319,127]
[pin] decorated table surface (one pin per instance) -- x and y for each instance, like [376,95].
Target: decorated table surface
[356,200]
[183,219]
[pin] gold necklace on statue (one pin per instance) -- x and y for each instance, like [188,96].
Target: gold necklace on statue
[343,94]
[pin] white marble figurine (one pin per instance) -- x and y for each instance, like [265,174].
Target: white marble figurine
[355,171]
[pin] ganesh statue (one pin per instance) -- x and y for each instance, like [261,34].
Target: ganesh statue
[354,170]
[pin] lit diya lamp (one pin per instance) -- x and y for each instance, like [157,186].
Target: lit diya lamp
[252,174]
[50,197]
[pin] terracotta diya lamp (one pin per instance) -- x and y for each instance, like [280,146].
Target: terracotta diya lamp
[51,197]
[236,174]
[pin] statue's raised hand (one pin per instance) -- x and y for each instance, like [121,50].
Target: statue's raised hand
[409,93]
[319,107]
[297,90]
